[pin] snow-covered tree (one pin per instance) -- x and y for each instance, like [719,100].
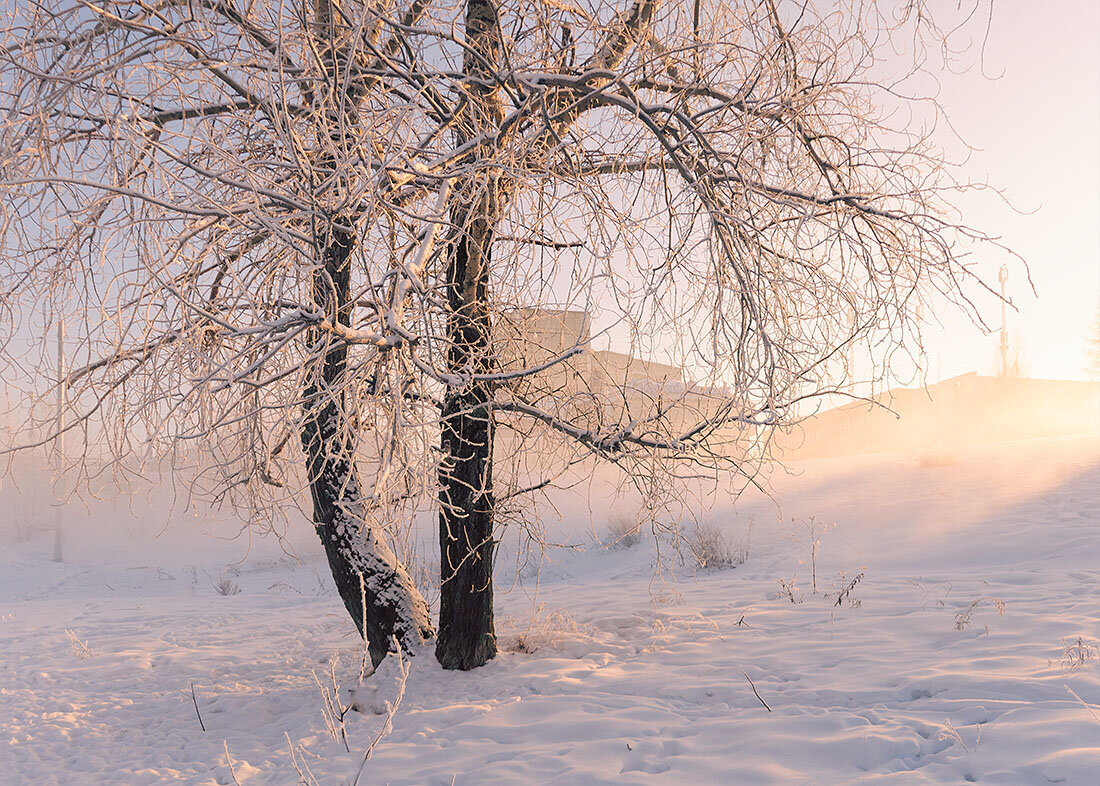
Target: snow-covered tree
[320,238]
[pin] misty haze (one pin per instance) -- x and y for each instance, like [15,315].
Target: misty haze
[537,392]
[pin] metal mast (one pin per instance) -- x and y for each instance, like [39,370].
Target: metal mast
[59,448]
[1002,277]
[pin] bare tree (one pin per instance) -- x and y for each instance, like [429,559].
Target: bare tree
[324,241]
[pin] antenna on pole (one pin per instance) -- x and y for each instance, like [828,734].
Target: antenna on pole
[850,352]
[59,449]
[1002,278]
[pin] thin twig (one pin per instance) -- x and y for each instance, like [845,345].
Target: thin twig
[304,775]
[1073,693]
[751,685]
[196,703]
[229,761]
[387,726]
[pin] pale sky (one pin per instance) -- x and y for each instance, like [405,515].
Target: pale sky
[1025,119]
[1038,130]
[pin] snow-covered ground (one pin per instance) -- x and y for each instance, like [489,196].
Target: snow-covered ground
[966,652]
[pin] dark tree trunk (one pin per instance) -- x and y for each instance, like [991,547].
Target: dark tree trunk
[375,587]
[467,638]
[466,635]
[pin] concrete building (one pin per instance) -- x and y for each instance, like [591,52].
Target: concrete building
[601,387]
[526,338]
[619,370]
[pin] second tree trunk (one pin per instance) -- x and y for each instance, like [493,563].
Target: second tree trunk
[467,637]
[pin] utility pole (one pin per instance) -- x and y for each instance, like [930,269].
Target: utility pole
[59,449]
[850,352]
[1002,277]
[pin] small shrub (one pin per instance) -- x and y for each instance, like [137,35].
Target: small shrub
[844,593]
[710,547]
[962,618]
[815,531]
[543,629]
[80,648]
[741,551]
[622,532]
[1077,653]
[226,586]
[789,590]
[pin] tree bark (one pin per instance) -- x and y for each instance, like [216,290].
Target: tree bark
[376,589]
[467,637]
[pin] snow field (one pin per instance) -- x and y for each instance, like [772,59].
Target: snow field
[606,675]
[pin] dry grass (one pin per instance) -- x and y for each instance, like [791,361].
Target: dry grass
[226,586]
[80,647]
[710,547]
[622,532]
[962,618]
[1078,653]
[545,629]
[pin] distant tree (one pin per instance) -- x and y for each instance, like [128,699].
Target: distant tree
[290,232]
